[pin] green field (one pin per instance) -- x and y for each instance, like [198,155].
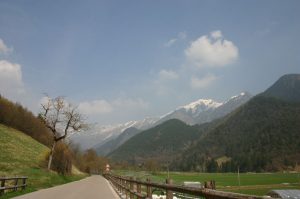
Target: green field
[250,183]
[20,155]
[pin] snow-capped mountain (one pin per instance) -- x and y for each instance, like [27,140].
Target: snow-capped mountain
[227,107]
[197,112]
[201,105]
[103,133]
[205,110]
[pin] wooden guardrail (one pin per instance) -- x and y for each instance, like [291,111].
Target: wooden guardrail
[13,183]
[134,188]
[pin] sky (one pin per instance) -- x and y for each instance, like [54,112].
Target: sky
[127,60]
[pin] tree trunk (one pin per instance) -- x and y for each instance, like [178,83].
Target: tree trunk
[51,155]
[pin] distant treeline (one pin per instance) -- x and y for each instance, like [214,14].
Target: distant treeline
[16,116]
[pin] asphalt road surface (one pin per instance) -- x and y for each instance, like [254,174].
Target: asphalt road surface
[94,187]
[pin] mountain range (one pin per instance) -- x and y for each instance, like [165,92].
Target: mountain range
[261,135]
[206,110]
[197,112]
[105,138]
[100,134]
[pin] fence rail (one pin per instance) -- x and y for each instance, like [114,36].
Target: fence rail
[132,188]
[13,183]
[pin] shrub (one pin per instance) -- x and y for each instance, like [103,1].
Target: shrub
[62,159]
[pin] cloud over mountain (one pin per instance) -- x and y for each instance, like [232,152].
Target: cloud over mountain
[95,107]
[212,51]
[101,106]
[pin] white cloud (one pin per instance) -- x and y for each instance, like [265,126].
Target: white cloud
[164,82]
[11,83]
[3,48]
[216,34]
[204,82]
[127,103]
[168,75]
[180,36]
[98,107]
[212,51]
[95,107]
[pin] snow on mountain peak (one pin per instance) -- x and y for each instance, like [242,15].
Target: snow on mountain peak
[204,104]
[242,94]
[189,113]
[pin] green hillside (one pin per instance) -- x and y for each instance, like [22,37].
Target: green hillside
[285,88]
[18,151]
[21,155]
[161,143]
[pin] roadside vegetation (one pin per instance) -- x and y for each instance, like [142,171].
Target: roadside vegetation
[25,147]
[21,155]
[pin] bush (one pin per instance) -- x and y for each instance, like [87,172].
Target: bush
[91,163]
[62,159]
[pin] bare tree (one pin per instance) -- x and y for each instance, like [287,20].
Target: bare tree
[61,118]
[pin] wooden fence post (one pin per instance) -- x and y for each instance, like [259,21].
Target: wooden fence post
[131,188]
[2,186]
[124,185]
[149,190]
[119,185]
[16,184]
[122,189]
[210,185]
[127,187]
[24,183]
[169,194]
[138,188]
[213,184]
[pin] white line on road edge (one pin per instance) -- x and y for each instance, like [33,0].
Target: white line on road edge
[112,190]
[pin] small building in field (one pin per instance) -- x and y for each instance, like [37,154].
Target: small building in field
[285,193]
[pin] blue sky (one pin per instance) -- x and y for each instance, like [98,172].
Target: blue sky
[126,60]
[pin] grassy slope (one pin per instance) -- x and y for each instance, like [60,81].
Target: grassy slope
[21,155]
[251,183]
[18,151]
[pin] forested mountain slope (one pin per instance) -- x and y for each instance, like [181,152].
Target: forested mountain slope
[264,134]
[161,143]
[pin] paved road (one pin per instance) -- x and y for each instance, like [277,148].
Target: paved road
[94,187]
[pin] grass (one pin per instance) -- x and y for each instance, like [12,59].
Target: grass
[20,155]
[18,151]
[251,183]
